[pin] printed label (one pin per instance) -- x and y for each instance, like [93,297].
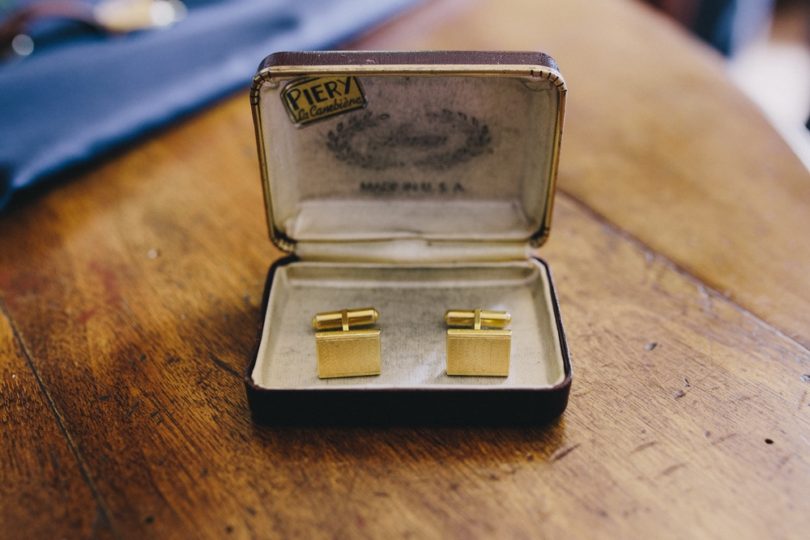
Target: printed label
[311,99]
[389,187]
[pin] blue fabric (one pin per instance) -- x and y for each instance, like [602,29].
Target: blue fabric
[82,94]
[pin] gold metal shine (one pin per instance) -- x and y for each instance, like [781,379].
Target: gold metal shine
[481,348]
[342,351]
[333,320]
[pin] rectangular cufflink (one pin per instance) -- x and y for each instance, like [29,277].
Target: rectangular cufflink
[482,353]
[478,343]
[343,352]
[353,353]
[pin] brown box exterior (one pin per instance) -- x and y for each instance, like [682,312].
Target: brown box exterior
[488,405]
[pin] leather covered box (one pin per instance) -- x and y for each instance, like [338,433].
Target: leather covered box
[414,183]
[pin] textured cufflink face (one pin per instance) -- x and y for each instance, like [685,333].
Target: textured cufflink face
[478,352]
[343,352]
[481,353]
[354,353]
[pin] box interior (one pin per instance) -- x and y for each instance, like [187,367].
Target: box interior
[411,301]
[435,158]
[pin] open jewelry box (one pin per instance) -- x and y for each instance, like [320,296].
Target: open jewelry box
[413,183]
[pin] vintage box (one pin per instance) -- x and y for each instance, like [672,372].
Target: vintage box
[413,183]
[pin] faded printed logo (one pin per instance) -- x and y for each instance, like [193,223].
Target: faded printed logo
[434,140]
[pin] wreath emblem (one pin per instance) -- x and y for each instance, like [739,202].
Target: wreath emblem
[438,140]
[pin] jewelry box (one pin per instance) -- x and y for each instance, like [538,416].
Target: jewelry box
[413,182]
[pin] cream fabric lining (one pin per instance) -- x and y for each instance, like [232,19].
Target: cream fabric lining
[360,219]
[496,191]
[412,251]
[411,301]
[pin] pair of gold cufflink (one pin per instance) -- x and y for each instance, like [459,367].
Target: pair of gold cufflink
[348,345]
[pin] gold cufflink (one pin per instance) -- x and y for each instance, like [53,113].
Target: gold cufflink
[342,351]
[478,343]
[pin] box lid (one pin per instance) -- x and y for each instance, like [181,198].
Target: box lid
[399,156]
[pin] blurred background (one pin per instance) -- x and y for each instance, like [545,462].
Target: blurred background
[80,79]
[767,47]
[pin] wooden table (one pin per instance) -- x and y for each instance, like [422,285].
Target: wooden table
[129,296]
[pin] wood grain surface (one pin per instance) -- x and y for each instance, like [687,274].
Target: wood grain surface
[42,486]
[129,298]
